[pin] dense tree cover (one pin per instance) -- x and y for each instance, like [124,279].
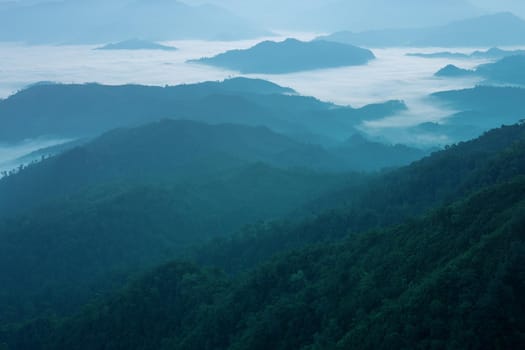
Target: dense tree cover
[453,279]
[444,177]
[72,111]
[56,257]
[136,227]
[88,245]
[177,151]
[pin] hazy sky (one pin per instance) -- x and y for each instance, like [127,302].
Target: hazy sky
[331,15]
[383,11]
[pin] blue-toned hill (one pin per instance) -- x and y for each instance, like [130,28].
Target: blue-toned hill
[290,56]
[136,44]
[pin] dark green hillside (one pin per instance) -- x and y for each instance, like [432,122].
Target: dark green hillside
[64,254]
[129,228]
[453,279]
[178,152]
[75,111]
[444,177]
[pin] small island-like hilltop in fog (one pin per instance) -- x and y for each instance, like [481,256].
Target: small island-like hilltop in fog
[290,56]
[136,44]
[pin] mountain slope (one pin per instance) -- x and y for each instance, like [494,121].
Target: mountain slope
[72,250]
[508,70]
[438,281]
[484,106]
[390,199]
[178,152]
[128,228]
[169,151]
[73,111]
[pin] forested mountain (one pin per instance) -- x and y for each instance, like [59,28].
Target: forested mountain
[290,56]
[452,279]
[230,212]
[178,151]
[88,244]
[444,177]
[59,256]
[73,111]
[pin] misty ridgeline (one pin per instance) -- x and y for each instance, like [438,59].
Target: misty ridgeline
[233,175]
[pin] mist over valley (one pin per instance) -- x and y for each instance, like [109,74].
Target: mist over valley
[233,175]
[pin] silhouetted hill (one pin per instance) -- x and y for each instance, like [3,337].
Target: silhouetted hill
[453,71]
[168,151]
[289,56]
[493,53]
[508,70]
[181,151]
[430,282]
[136,44]
[491,30]
[76,111]
[484,106]
[89,243]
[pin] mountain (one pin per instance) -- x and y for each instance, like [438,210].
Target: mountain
[97,21]
[390,199]
[453,278]
[289,56]
[452,71]
[484,106]
[492,53]
[136,44]
[508,70]
[78,247]
[180,151]
[78,111]
[371,156]
[501,29]
[108,231]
